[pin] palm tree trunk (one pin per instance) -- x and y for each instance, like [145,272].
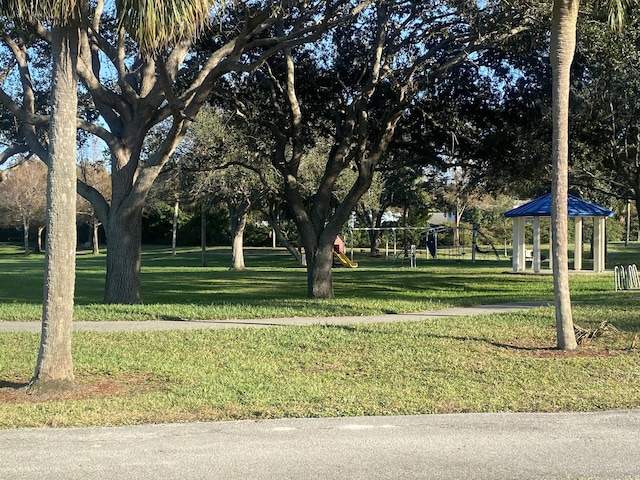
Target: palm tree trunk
[54,367]
[563,43]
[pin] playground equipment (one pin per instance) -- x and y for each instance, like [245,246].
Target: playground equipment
[430,236]
[626,278]
[345,260]
[457,251]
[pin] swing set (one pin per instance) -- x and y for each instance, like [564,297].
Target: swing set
[429,235]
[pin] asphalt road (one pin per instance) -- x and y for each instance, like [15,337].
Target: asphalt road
[563,446]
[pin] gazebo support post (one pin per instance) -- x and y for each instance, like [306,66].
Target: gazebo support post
[536,245]
[514,241]
[519,262]
[577,249]
[598,243]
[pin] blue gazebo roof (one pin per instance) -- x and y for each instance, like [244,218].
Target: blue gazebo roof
[541,207]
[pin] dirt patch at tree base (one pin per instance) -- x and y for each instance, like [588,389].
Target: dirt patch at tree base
[16,393]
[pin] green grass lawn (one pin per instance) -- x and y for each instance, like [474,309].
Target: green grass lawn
[493,363]
[176,287]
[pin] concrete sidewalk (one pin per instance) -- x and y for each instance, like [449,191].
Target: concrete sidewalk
[270,322]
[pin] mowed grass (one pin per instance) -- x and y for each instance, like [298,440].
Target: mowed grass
[177,287]
[492,363]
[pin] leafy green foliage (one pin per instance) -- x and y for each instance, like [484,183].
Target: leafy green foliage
[605,112]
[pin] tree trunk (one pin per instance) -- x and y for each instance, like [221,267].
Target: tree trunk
[174,227]
[279,236]
[39,237]
[563,42]
[95,240]
[373,242]
[203,235]
[237,242]
[54,367]
[124,236]
[456,230]
[456,235]
[25,236]
[371,219]
[237,222]
[319,272]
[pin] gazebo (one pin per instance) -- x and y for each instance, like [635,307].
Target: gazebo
[541,207]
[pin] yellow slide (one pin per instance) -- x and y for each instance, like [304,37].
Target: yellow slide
[345,260]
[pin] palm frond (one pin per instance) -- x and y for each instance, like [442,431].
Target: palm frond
[157,24]
[617,12]
[55,11]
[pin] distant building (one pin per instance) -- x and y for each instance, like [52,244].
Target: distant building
[440,218]
[437,218]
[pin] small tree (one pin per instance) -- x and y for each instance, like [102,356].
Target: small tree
[94,174]
[219,164]
[22,197]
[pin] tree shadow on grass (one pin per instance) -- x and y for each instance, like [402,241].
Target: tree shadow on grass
[531,349]
[171,318]
[508,346]
[14,385]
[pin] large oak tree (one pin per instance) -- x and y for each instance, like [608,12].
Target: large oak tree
[138,85]
[354,90]
[65,27]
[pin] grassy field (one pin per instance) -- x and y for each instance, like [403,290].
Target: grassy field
[494,363]
[176,287]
